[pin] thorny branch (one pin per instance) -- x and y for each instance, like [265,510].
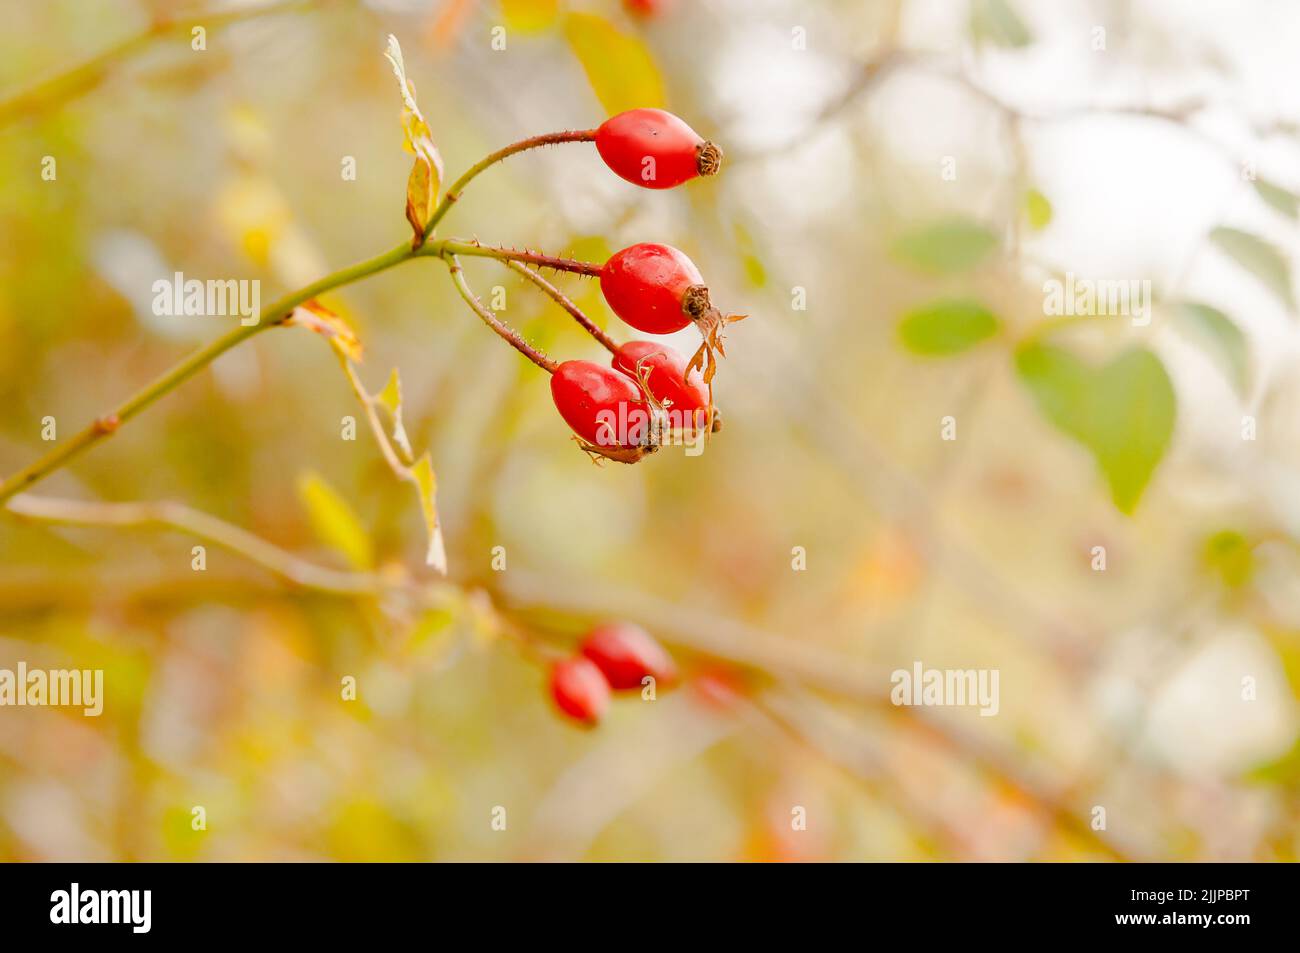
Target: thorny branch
[560,298]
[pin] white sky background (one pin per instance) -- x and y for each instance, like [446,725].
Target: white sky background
[1133,197]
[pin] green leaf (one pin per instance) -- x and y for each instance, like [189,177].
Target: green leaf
[1259,258]
[997,22]
[622,73]
[947,246]
[1283,200]
[335,522]
[1220,338]
[1123,411]
[946,327]
[427,486]
[1038,210]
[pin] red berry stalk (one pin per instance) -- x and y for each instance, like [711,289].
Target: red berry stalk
[507,333]
[657,289]
[453,194]
[648,147]
[614,656]
[563,301]
[620,414]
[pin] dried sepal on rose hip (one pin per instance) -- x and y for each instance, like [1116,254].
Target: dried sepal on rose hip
[627,654]
[605,409]
[580,689]
[657,289]
[655,149]
[662,373]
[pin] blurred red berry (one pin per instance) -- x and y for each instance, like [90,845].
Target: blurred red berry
[652,287]
[580,689]
[626,654]
[655,149]
[604,408]
[664,370]
[646,8]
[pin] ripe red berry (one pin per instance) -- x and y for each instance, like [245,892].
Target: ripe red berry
[654,288]
[655,149]
[604,408]
[664,371]
[626,654]
[580,689]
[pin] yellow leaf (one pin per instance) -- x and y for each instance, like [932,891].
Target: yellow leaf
[335,522]
[252,214]
[390,398]
[529,16]
[314,316]
[422,187]
[425,181]
[618,65]
[391,395]
[432,638]
[426,484]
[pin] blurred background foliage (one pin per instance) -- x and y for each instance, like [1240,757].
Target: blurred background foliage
[902,178]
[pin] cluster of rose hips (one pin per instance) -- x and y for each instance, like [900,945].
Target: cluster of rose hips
[612,657]
[655,289]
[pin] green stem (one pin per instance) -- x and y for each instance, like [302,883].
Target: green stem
[276,312]
[272,315]
[457,187]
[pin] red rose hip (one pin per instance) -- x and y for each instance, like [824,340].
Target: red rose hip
[655,149]
[604,408]
[580,689]
[665,375]
[654,288]
[646,8]
[626,654]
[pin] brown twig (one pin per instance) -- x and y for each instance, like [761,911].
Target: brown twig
[180,517]
[564,302]
[507,333]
